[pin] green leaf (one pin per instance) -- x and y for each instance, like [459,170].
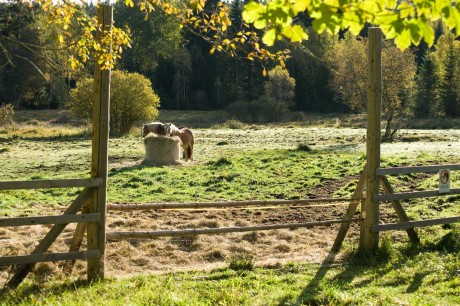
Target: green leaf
[269,37]
[129,3]
[453,19]
[352,22]
[415,32]
[295,33]
[253,11]
[403,40]
[325,18]
[391,4]
[427,31]
[301,5]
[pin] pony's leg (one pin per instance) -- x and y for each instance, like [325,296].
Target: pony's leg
[191,151]
[189,154]
[184,153]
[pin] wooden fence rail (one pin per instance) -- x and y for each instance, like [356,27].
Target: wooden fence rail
[197,205]
[415,169]
[411,224]
[413,195]
[66,183]
[61,219]
[213,231]
[46,257]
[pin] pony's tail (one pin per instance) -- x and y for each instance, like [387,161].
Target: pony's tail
[189,152]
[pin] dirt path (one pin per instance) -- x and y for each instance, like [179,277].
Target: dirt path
[129,257]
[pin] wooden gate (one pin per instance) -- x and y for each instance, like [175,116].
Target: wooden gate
[91,200]
[376,176]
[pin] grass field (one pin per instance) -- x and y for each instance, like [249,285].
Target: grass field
[318,157]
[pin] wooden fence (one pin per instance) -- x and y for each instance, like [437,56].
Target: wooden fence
[391,196]
[70,215]
[375,176]
[213,231]
[91,200]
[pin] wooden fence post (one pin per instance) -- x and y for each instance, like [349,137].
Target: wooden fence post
[369,240]
[99,163]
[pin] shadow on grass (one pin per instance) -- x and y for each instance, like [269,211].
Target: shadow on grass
[26,294]
[73,137]
[416,282]
[137,166]
[371,269]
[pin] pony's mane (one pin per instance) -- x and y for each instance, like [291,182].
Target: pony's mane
[171,129]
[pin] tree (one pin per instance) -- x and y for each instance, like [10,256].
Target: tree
[312,74]
[20,72]
[407,22]
[181,83]
[427,97]
[132,100]
[157,38]
[404,21]
[447,51]
[270,106]
[398,73]
[349,63]
[280,86]
[398,84]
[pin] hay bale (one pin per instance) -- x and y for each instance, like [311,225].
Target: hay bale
[161,150]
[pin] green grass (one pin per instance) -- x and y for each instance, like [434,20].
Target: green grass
[410,275]
[424,274]
[193,119]
[285,174]
[264,174]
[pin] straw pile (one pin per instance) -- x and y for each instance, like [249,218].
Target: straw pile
[161,150]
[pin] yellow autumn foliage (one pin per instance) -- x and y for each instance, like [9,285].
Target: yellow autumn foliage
[132,101]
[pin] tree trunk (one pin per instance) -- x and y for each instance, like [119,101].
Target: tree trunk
[389,134]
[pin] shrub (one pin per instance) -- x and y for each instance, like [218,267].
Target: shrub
[132,100]
[233,124]
[298,116]
[241,262]
[268,109]
[304,147]
[6,114]
[264,109]
[239,110]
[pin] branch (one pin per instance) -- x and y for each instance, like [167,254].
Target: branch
[27,47]
[30,62]
[9,59]
[21,43]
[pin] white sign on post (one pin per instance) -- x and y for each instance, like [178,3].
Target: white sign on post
[444,180]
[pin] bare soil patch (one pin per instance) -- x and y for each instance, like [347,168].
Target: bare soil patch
[134,256]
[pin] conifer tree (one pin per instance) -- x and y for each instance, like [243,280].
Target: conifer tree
[427,99]
[449,50]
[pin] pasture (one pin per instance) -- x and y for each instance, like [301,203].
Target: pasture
[316,158]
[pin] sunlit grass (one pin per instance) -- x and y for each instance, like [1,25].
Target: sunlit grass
[228,168]
[408,275]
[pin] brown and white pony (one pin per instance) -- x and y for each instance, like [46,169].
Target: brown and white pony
[186,137]
[157,128]
[168,129]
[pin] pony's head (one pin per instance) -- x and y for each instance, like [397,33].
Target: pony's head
[171,129]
